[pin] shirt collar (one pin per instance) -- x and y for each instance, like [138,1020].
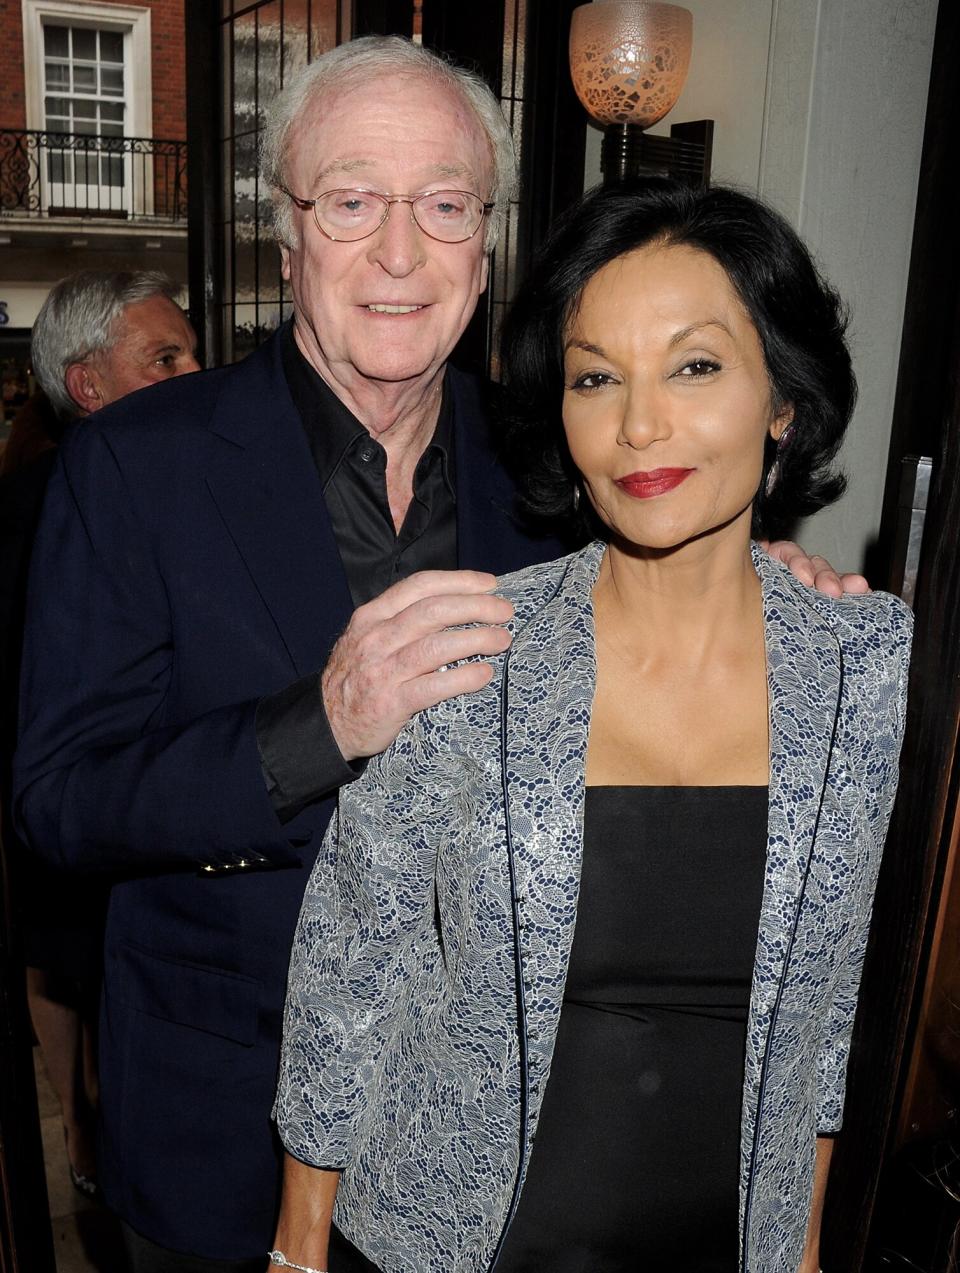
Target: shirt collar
[331,427]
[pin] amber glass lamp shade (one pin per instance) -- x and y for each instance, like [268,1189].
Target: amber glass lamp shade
[629,59]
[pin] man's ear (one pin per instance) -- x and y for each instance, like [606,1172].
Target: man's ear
[83,385]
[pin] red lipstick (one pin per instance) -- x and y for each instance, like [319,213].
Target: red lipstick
[645,485]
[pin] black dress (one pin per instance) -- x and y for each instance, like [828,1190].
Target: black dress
[635,1163]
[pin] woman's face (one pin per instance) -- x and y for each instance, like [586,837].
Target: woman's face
[667,401]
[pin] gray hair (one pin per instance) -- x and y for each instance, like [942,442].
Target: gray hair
[79,319]
[365,59]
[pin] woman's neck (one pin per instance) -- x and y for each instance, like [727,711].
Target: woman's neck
[686,605]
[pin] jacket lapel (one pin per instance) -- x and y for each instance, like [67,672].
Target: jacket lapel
[804,671]
[545,722]
[267,490]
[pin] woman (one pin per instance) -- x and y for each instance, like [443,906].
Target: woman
[583,951]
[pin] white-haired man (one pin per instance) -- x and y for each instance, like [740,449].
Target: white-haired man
[187,727]
[102,334]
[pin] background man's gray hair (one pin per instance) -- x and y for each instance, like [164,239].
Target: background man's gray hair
[79,319]
[364,60]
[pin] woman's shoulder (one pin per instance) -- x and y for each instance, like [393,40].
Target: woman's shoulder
[530,589]
[877,619]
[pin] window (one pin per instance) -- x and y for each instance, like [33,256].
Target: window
[88,78]
[84,76]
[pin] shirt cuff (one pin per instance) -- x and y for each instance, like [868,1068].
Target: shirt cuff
[298,753]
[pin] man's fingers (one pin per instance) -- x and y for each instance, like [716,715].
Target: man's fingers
[825,578]
[815,571]
[854,584]
[442,648]
[449,683]
[427,583]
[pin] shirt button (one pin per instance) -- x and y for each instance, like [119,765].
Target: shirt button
[367,453]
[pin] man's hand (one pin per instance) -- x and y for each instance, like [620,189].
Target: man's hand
[815,572]
[391,661]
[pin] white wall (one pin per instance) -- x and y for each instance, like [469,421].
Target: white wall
[819,105]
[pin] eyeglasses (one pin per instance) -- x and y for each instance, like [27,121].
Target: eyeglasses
[452,216]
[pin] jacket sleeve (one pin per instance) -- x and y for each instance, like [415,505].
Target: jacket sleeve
[365,934]
[102,781]
[878,775]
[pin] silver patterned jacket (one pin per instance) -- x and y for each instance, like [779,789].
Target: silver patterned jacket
[429,963]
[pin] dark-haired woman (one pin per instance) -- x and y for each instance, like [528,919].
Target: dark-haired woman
[575,976]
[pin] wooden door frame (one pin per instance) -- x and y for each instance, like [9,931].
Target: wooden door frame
[926,421]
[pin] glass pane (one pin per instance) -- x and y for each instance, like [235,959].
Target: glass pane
[85,43]
[244,73]
[111,46]
[87,127]
[268,56]
[57,75]
[269,259]
[55,42]
[296,38]
[84,79]
[244,224]
[111,80]
[324,18]
[84,108]
[58,166]
[59,106]
[111,110]
[111,130]
[86,165]
[244,330]
[111,171]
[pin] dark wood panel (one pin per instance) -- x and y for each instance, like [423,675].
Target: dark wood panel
[858,1234]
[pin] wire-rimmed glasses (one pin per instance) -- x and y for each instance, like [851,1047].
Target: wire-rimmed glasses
[451,216]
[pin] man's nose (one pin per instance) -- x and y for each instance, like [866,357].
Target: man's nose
[399,245]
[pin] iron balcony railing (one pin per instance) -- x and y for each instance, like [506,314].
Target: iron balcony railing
[51,174]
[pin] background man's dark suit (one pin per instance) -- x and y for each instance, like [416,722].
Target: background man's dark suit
[188,569]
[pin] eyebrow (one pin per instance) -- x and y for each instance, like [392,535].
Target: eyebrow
[169,348]
[677,338]
[349,166]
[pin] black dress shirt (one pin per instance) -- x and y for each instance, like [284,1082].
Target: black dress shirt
[301,760]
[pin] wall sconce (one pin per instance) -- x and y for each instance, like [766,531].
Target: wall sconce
[628,62]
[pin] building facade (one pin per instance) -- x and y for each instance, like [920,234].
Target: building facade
[93,157]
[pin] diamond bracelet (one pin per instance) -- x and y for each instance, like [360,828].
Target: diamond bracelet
[281,1261]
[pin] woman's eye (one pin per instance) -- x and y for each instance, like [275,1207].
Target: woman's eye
[591,380]
[697,368]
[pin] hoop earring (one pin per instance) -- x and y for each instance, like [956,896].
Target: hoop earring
[773,476]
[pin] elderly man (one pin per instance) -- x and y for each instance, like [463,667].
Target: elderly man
[195,687]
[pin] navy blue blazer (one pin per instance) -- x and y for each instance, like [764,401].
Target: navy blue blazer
[185,567]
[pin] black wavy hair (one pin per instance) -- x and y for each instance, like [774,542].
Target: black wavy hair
[799,319]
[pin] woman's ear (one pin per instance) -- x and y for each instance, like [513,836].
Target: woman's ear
[781,422]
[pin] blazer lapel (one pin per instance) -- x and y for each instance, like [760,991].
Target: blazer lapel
[546,720]
[268,492]
[804,670]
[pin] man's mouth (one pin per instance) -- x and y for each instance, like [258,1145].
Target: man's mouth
[393,309]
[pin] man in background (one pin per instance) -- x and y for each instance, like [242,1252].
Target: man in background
[99,335]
